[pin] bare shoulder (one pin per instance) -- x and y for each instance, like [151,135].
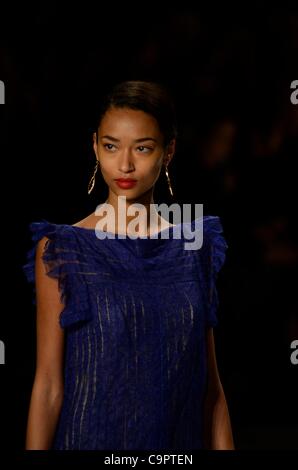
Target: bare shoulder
[41,246]
[91,220]
[88,222]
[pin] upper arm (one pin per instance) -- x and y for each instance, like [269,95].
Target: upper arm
[50,335]
[217,426]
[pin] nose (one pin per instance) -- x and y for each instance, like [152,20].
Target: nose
[126,164]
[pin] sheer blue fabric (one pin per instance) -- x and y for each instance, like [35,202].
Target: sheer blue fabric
[135,317]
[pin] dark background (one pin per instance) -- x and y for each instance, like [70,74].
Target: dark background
[229,71]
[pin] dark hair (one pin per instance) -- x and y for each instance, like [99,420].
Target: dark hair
[150,97]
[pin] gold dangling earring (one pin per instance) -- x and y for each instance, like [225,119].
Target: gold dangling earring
[169,181]
[92,180]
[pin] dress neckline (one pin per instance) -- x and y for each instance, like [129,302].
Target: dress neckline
[155,236]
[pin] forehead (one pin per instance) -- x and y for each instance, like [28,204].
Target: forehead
[128,121]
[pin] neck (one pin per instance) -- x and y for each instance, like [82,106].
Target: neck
[142,208]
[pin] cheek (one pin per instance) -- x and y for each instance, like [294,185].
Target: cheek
[152,174]
[149,172]
[107,167]
[152,166]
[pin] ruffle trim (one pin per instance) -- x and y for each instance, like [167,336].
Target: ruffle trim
[214,258]
[62,261]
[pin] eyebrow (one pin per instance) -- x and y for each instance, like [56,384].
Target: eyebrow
[142,139]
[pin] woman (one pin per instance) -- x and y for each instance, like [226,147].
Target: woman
[125,348]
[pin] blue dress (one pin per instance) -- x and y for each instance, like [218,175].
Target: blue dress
[135,317]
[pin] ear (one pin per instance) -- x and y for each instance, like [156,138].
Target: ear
[169,152]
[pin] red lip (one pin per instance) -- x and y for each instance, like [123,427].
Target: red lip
[125,183]
[128,180]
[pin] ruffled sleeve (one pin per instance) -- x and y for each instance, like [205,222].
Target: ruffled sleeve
[214,254]
[63,261]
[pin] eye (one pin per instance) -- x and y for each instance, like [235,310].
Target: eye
[142,148]
[108,146]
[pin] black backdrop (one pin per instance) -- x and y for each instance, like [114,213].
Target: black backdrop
[229,72]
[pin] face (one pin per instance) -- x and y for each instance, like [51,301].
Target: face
[130,145]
